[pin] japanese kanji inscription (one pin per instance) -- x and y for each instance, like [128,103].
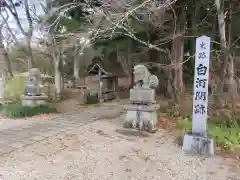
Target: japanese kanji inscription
[200,101]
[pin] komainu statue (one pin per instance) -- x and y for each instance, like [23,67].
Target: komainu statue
[143,78]
[142,112]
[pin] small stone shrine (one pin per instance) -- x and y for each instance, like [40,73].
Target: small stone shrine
[142,112]
[33,95]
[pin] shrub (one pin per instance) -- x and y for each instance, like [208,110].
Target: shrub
[19,111]
[173,111]
[92,99]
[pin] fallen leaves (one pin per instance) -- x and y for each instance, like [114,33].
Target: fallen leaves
[41,116]
[167,123]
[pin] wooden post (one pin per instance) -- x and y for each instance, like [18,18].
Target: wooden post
[116,88]
[100,95]
[2,88]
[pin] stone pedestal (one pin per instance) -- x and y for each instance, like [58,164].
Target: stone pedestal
[142,96]
[142,117]
[33,101]
[197,144]
[142,112]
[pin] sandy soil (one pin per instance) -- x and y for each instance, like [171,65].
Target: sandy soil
[102,151]
[7,123]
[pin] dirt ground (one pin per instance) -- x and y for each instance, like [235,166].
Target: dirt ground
[104,151]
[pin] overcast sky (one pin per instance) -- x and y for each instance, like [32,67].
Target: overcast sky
[22,16]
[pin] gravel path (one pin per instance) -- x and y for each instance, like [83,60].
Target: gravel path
[99,151]
[20,133]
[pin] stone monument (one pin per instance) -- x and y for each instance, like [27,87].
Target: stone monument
[33,95]
[198,141]
[142,110]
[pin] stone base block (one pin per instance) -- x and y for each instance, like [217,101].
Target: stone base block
[196,144]
[142,95]
[143,119]
[145,108]
[33,101]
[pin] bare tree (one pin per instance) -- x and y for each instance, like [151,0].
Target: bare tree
[10,5]
[4,50]
[227,68]
[114,19]
[55,51]
[76,57]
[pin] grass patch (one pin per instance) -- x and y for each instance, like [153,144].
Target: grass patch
[92,105]
[14,88]
[226,134]
[19,111]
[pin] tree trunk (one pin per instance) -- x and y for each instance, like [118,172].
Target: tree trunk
[8,63]
[130,68]
[231,60]
[226,72]
[76,67]
[29,52]
[6,57]
[126,62]
[28,35]
[76,63]
[233,84]
[58,72]
[177,60]
[62,73]
[56,56]
[55,52]
[57,78]
[222,32]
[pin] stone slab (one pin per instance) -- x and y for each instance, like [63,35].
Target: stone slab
[34,100]
[196,144]
[41,97]
[32,103]
[142,95]
[146,108]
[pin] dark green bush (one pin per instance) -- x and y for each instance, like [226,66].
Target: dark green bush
[19,111]
[92,99]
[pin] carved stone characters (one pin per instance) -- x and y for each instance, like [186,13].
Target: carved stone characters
[143,78]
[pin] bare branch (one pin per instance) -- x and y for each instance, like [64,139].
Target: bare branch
[5,21]
[29,18]
[13,11]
